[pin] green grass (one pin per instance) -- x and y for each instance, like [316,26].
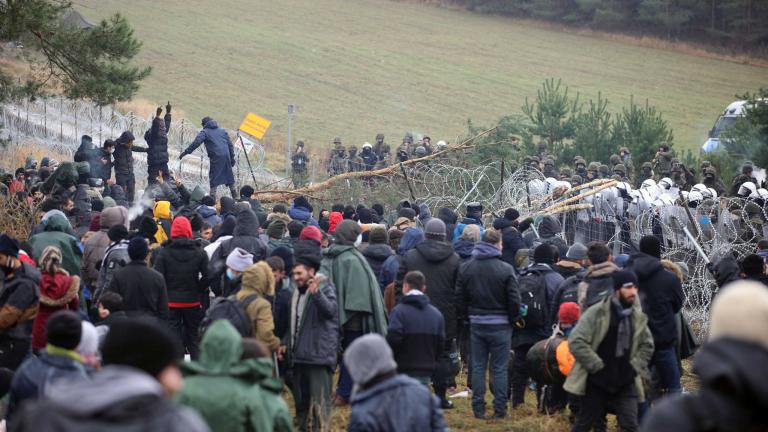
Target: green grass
[355,68]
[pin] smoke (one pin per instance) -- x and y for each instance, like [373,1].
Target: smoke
[142,204]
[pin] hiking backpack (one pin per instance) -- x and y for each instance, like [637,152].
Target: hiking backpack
[232,310]
[533,294]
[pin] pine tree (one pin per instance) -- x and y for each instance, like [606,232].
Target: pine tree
[641,129]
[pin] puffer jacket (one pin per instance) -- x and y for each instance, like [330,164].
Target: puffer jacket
[124,159]
[96,245]
[157,140]
[661,296]
[209,215]
[19,301]
[440,265]
[58,291]
[56,234]
[399,403]
[487,285]
[302,214]
[316,340]
[511,239]
[184,266]
[258,281]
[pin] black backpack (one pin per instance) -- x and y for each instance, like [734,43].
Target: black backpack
[232,310]
[533,294]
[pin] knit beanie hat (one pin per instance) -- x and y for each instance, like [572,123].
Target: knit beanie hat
[407,213]
[64,329]
[347,232]
[740,311]
[108,202]
[623,277]
[568,313]
[117,233]
[181,228]
[287,255]
[239,259]
[576,252]
[276,229]
[259,278]
[89,340]
[368,357]
[435,229]
[311,233]
[143,343]
[544,254]
[138,249]
[651,245]
[511,214]
[378,235]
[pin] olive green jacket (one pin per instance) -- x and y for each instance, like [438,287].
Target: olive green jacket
[590,332]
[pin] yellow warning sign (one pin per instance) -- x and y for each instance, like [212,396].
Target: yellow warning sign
[254,125]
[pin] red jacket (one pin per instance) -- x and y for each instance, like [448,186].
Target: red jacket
[57,292]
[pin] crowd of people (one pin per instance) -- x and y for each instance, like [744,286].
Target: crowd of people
[187,311]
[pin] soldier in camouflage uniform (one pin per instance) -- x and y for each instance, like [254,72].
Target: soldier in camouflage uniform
[354,163]
[621,172]
[745,176]
[337,147]
[542,150]
[580,167]
[549,168]
[403,152]
[662,162]
[646,172]
[576,180]
[681,177]
[378,145]
[533,162]
[614,160]
[704,164]
[711,180]
[593,171]
[336,165]
[299,164]
[603,171]
[565,174]
[385,158]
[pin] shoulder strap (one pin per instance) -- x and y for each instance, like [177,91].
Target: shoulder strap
[246,301]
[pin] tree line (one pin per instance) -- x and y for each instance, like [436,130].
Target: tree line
[741,24]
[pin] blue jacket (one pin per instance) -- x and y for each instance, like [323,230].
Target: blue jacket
[416,335]
[220,152]
[37,373]
[302,214]
[463,224]
[209,215]
[399,403]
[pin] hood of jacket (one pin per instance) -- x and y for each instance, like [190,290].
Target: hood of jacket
[464,248]
[113,216]
[58,223]
[337,249]
[418,301]
[501,223]
[106,388]
[483,250]
[734,365]
[247,224]
[227,205]
[727,270]
[211,124]
[411,238]
[447,215]
[58,289]
[383,387]
[162,210]
[549,227]
[28,271]
[206,211]
[220,348]
[257,279]
[602,269]
[378,252]
[117,193]
[197,194]
[435,251]
[645,265]
[424,213]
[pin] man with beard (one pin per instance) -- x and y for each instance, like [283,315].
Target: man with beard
[611,344]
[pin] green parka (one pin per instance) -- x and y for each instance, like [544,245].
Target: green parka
[590,332]
[55,233]
[230,394]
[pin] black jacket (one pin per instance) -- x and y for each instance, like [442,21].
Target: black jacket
[317,333]
[123,156]
[142,289]
[448,217]
[416,334]
[19,299]
[376,254]
[245,235]
[101,166]
[487,285]
[733,394]
[157,140]
[511,239]
[661,296]
[184,265]
[440,266]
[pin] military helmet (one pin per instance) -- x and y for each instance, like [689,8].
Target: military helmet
[379,136]
[593,166]
[576,180]
[548,162]
[710,170]
[603,169]
[526,159]
[534,159]
[566,172]
[441,144]
[647,165]
[624,149]
[420,151]
[300,143]
[615,159]
[543,145]
[705,163]
[337,140]
[620,169]
[616,177]
[367,145]
[352,148]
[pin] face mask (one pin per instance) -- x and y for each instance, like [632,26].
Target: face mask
[231,275]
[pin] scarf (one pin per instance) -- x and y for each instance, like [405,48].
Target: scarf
[624,335]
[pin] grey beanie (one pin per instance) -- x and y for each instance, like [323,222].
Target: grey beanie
[368,357]
[435,228]
[239,260]
[576,252]
[346,232]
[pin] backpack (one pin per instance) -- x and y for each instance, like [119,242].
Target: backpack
[533,294]
[115,258]
[232,310]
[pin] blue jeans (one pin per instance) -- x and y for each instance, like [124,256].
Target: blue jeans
[492,341]
[344,386]
[665,363]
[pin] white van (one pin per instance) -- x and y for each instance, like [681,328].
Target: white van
[727,119]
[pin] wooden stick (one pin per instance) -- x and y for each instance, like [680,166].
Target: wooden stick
[579,196]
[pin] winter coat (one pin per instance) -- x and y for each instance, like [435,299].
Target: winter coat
[157,140]
[101,167]
[35,376]
[661,295]
[123,162]
[567,268]
[84,152]
[118,194]
[549,228]
[416,335]
[449,219]
[58,291]
[376,255]
[19,300]
[463,223]
[358,292]
[529,335]
[96,245]
[55,234]
[117,397]
[440,265]
[316,340]
[511,239]
[142,289]
[233,395]
[115,258]
[302,214]
[586,337]
[259,311]
[567,292]
[209,215]
[596,284]
[220,151]
[184,265]
[399,403]
[463,249]
[733,395]
[487,285]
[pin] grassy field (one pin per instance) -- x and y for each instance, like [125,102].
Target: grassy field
[355,68]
